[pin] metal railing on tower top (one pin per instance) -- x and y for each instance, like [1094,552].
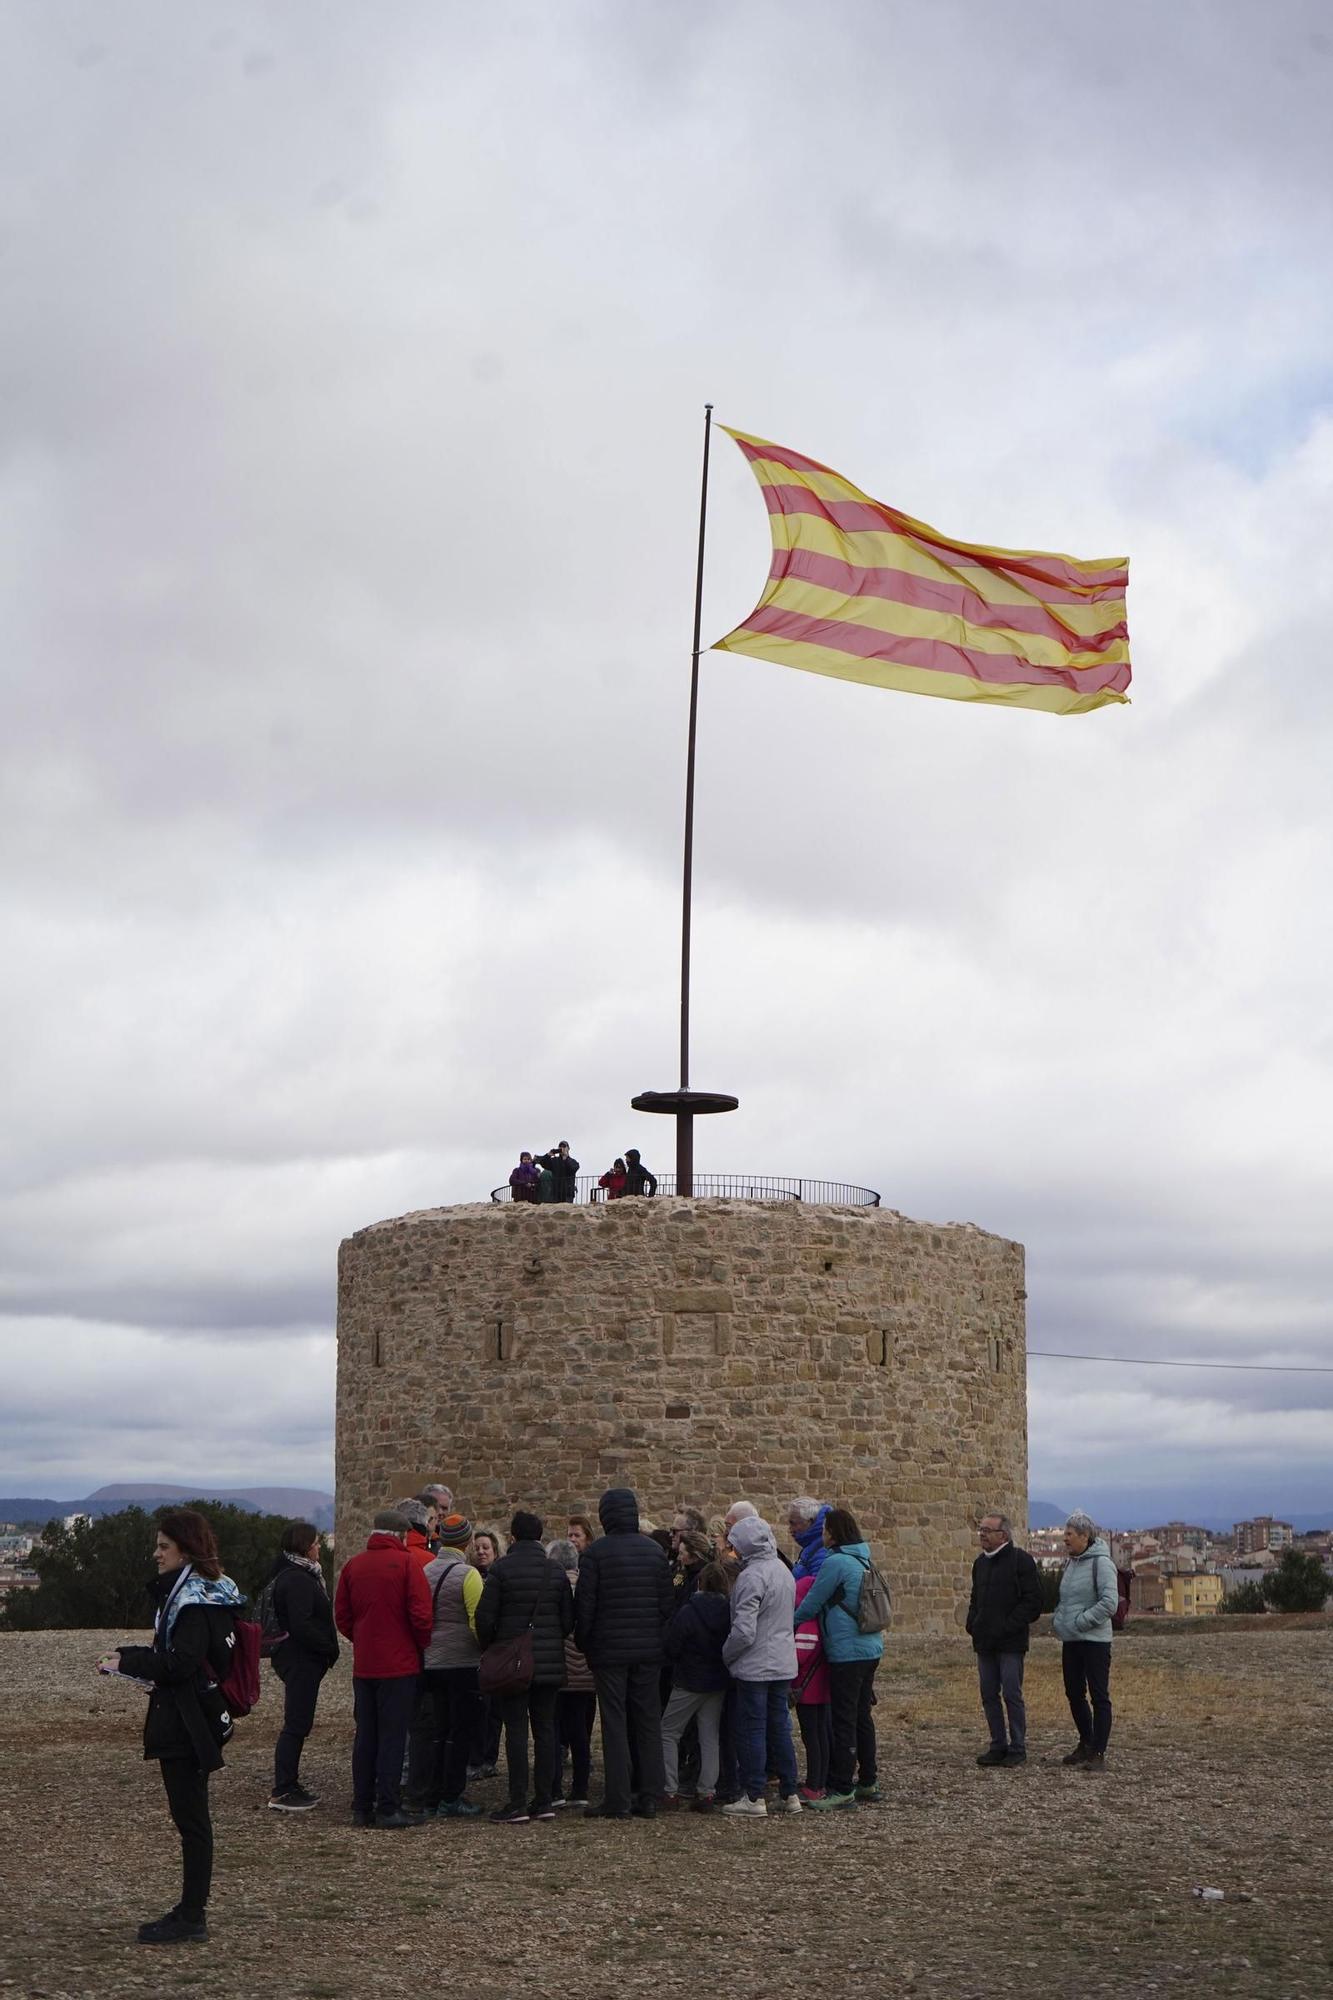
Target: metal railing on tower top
[735,1187]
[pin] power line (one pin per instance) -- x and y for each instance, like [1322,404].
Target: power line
[1151,1361]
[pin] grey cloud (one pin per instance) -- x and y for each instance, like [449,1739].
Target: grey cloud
[349,454]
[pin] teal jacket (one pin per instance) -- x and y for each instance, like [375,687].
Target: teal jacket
[1089,1593]
[833,1598]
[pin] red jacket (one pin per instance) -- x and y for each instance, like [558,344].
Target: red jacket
[418,1546]
[383,1606]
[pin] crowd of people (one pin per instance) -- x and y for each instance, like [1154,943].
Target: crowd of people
[553,1176]
[694,1646]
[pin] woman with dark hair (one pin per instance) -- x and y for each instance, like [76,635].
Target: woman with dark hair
[488,1545]
[525,1593]
[576,1703]
[693,1643]
[852,1656]
[581,1532]
[187,1721]
[301,1610]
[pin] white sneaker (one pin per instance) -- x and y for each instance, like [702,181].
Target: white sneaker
[748,1809]
[791,1803]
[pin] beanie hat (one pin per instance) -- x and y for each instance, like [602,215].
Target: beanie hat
[390,1522]
[455,1529]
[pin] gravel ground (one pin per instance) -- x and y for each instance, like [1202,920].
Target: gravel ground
[962,1883]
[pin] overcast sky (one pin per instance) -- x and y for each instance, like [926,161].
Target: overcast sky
[351,395]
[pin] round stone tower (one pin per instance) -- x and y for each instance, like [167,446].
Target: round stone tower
[700,1351]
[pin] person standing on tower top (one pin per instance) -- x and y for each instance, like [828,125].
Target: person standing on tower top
[638,1180]
[563,1169]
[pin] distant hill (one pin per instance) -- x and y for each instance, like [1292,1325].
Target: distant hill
[298,1503]
[1041,1514]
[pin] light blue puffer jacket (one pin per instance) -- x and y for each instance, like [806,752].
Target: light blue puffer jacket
[833,1598]
[1089,1593]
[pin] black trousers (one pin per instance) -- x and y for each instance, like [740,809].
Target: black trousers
[851,1694]
[816,1722]
[437,1758]
[1086,1664]
[300,1693]
[576,1711]
[629,1702]
[535,1706]
[187,1800]
[383,1710]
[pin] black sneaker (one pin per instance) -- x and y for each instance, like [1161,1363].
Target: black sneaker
[995,1755]
[295,1799]
[542,1812]
[360,1818]
[645,1809]
[393,1821]
[1079,1755]
[1013,1758]
[174,1929]
[511,1816]
[605,1812]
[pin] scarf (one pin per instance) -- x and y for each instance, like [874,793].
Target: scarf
[190,1588]
[304,1562]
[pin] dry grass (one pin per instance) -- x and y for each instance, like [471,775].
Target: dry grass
[963,1883]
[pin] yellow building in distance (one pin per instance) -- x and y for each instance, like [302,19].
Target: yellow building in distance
[1191,1596]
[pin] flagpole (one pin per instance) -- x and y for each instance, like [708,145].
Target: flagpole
[683,1104]
[688,872]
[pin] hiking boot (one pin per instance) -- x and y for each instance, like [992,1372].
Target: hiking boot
[833,1802]
[295,1799]
[996,1754]
[510,1816]
[645,1809]
[792,1803]
[1094,1763]
[174,1929]
[867,1795]
[360,1818]
[1079,1755]
[457,1809]
[1013,1758]
[747,1809]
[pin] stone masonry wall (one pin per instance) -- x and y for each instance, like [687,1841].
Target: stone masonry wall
[701,1352]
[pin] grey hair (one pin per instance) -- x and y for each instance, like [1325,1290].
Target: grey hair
[414,1512]
[994,1514]
[564,1553]
[437,1496]
[804,1507]
[1082,1524]
[741,1510]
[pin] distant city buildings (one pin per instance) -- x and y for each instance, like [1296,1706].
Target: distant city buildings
[1179,1569]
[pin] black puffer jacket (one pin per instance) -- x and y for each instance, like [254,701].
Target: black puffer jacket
[625,1596]
[525,1588]
[1006,1600]
[186,1709]
[302,1608]
[694,1641]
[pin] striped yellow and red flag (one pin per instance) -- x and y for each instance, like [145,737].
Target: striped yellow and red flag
[864,593]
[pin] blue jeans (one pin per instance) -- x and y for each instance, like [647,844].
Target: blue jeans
[763,1734]
[1001,1675]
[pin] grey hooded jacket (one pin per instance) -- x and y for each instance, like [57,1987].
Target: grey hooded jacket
[761,1645]
[1089,1593]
